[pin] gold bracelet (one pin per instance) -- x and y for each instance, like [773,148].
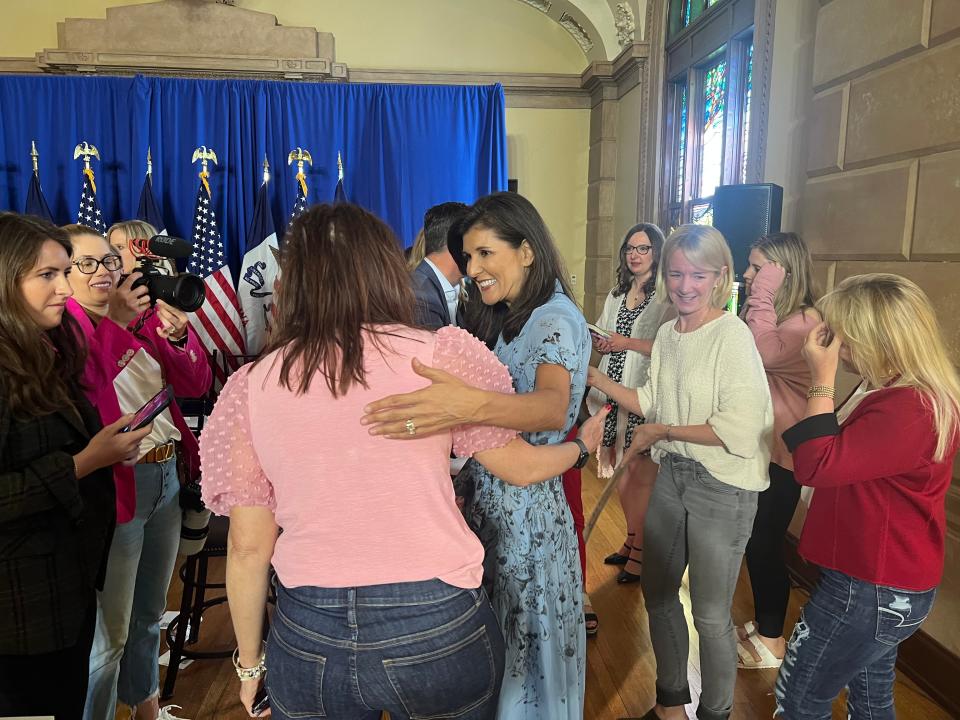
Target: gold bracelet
[824,391]
[250,673]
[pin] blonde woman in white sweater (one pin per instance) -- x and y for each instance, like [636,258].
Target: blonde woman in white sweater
[632,313]
[709,425]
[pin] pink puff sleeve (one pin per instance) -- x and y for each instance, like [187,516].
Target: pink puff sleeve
[230,470]
[461,354]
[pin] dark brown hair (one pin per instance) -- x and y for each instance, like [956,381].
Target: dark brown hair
[513,219]
[624,276]
[341,272]
[39,369]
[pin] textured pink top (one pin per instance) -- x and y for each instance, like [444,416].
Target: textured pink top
[779,345]
[340,493]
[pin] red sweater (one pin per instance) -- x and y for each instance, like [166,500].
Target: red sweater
[878,511]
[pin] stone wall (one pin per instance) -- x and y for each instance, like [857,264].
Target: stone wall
[882,192]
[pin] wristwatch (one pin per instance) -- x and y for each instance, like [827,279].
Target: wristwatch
[584,454]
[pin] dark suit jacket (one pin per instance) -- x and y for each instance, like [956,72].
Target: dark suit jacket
[432,311]
[55,530]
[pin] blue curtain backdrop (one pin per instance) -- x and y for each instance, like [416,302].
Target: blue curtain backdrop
[404,148]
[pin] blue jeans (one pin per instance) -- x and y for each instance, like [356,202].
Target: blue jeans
[123,662]
[419,650]
[698,521]
[847,636]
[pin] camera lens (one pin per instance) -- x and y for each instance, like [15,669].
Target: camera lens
[189,292]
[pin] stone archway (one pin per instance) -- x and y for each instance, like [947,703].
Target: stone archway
[602,28]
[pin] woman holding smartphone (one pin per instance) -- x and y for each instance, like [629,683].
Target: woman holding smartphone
[632,314]
[57,507]
[408,630]
[136,349]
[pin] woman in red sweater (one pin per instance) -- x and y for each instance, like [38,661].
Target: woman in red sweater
[881,466]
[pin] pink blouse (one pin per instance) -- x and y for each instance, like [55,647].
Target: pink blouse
[338,491]
[779,345]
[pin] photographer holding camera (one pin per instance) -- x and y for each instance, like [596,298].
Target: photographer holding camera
[138,343]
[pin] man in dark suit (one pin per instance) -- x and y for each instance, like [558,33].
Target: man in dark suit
[436,279]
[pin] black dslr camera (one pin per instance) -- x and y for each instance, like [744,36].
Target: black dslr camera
[185,291]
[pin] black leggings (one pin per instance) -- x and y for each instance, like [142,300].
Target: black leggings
[765,561]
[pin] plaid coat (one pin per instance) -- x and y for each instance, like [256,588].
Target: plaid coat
[55,530]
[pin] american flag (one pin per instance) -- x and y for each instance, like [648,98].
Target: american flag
[300,204]
[218,323]
[89,213]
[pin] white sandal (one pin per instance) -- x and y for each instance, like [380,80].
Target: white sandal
[747,661]
[750,628]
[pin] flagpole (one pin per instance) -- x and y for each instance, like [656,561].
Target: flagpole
[35,156]
[266,170]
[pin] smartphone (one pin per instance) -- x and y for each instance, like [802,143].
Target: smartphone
[261,701]
[599,331]
[153,407]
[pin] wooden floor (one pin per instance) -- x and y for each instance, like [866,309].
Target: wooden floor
[620,664]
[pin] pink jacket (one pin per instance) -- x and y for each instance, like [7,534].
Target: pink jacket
[186,368]
[779,346]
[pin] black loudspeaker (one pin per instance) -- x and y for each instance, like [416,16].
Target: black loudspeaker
[744,213]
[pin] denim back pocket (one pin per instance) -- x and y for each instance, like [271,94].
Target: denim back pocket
[294,679]
[900,613]
[448,682]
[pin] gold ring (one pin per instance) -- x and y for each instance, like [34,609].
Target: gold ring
[411,428]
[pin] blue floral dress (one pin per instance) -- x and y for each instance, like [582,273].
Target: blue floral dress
[531,565]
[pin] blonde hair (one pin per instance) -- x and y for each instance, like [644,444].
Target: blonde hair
[888,324]
[705,247]
[798,290]
[133,229]
[140,229]
[418,251]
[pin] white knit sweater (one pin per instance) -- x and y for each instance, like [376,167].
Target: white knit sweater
[713,375]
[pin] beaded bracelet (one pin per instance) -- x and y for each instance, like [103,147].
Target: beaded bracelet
[250,673]
[824,391]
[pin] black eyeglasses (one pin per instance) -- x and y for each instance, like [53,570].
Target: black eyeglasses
[89,265]
[638,249]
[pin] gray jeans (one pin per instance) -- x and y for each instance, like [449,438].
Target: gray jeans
[696,520]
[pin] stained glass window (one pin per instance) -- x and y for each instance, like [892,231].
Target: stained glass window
[681,144]
[748,91]
[711,140]
[702,214]
[686,12]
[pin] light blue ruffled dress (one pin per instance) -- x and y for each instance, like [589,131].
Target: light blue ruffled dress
[531,566]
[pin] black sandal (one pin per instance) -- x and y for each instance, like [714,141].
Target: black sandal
[616,558]
[625,577]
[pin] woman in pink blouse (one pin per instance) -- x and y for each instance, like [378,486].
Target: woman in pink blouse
[379,600]
[780,313]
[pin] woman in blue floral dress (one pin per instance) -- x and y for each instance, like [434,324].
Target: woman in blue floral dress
[531,567]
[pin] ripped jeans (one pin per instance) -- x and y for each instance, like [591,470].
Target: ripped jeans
[847,637]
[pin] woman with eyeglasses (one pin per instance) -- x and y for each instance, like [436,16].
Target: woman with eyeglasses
[135,350]
[632,314]
[56,487]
